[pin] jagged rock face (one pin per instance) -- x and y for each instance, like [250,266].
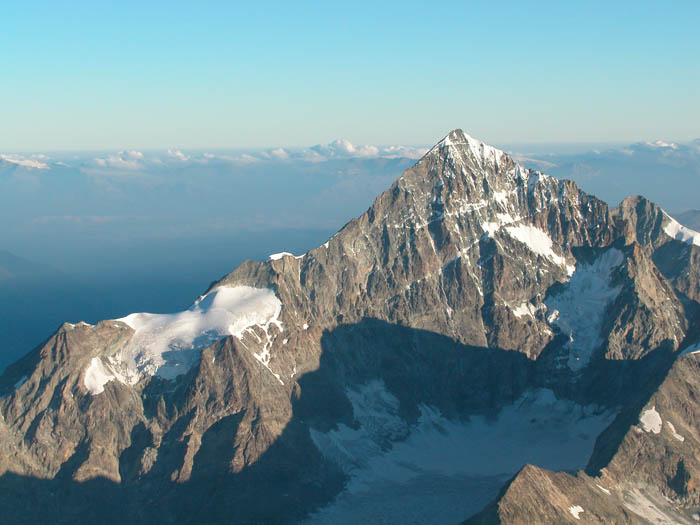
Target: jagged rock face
[537,497]
[674,248]
[472,288]
[646,314]
[659,451]
[458,245]
[644,468]
[44,422]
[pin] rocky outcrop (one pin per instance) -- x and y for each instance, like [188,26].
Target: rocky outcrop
[538,497]
[674,248]
[644,468]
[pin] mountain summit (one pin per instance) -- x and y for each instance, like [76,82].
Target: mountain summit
[478,317]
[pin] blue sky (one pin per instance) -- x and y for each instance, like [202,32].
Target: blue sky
[112,75]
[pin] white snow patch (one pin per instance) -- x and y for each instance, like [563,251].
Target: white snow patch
[491,227]
[484,154]
[168,345]
[463,206]
[385,454]
[500,196]
[534,177]
[679,232]
[98,374]
[521,172]
[506,218]
[539,242]
[277,256]
[578,310]
[524,309]
[651,421]
[488,155]
[603,489]
[576,511]
[674,433]
[264,355]
[306,326]
[653,507]
[694,349]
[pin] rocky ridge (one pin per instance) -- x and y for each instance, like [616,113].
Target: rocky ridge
[470,287]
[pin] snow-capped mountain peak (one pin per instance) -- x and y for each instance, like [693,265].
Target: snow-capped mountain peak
[475,307]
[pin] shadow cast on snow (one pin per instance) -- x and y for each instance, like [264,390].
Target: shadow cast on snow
[292,478]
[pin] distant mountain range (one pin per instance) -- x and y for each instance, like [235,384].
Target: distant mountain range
[666,172]
[481,332]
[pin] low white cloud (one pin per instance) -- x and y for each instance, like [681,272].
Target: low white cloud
[179,155]
[664,152]
[130,160]
[37,162]
[408,152]
[245,158]
[279,153]
[343,148]
[133,164]
[657,144]
[337,149]
[309,155]
[340,149]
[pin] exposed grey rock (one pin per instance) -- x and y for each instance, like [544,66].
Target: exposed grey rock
[644,468]
[469,283]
